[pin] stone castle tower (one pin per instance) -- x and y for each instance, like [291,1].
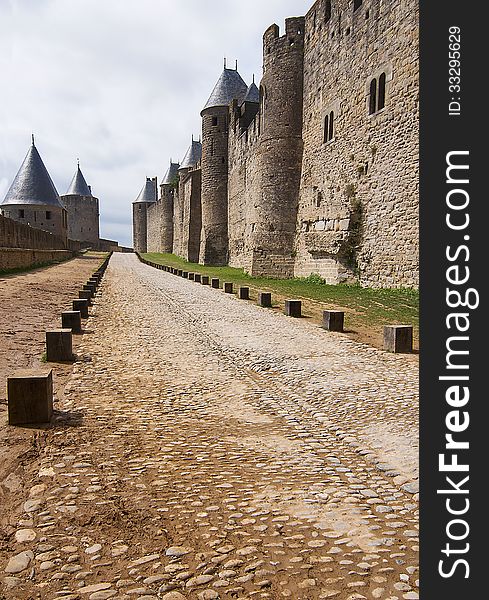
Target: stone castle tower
[147,196]
[83,210]
[167,192]
[317,170]
[215,127]
[33,200]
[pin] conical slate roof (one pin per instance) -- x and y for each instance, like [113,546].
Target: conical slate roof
[148,193]
[252,94]
[170,174]
[78,185]
[192,156]
[229,86]
[32,184]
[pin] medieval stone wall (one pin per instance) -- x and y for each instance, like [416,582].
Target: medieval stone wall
[17,235]
[154,216]
[358,206]
[51,219]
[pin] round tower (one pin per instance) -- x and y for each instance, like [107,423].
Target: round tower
[83,210]
[280,150]
[33,200]
[215,122]
[167,193]
[146,197]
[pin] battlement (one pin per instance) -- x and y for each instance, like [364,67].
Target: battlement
[293,38]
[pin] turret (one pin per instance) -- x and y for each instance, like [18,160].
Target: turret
[83,210]
[280,149]
[32,198]
[215,122]
[147,196]
[167,193]
[189,162]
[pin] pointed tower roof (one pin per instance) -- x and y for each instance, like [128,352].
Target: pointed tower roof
[148,192]
[170,174]
[78,185]
[32,184]
[229,86]
[252,94]
[192,156]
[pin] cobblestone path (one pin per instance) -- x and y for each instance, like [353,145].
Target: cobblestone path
[209,448]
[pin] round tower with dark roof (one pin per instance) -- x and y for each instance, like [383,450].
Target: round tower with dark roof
[167,195]
[32,198]
[147,196]
[215,122]
[83,210]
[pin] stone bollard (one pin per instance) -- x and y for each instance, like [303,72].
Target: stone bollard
[293,308]
[82,306]
[244,293]
[30,397]
[228,287]
[204,280]
[71,319]
[398,338]
[215,283]
[197,277]
[179,272]
[333,320]
[59,346]
[185,274]
[265,299]
[191,276]
[85,295]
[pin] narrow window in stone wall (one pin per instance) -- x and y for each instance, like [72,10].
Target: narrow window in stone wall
[214,121]
[381,101]
[328,127]
[48,215]
[21,213]
[373,97]
[327,11]
[356,4]
[35,216]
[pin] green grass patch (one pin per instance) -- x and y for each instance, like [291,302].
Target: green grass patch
[366,307]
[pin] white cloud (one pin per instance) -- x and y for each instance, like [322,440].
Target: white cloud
[119,84]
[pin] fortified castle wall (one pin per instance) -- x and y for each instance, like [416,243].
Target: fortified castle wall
[317,172]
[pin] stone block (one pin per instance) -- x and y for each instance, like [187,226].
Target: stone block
[333,320]
[228,287]
[71,319]
[30,397]
[85,295]
[398,338]
[265,299]
[191,276]
[89,287]
[59,345]
[179,272]
[82,306]
[293,308]
[197,277]
[204,280]
[215,283]
[185,274]
[244,293]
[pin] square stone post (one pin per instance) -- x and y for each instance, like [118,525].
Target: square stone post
[398,338]
[71,319]
[85,295]
[197,277]
[293,308]
[30,397]
[265,299]
[59,345]
[204,280]
[228,287]
[333,320]
[82,306]
[244,293]
[215,283]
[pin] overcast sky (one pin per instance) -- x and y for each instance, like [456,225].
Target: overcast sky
[118,84]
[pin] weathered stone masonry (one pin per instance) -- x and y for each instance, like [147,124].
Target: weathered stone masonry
[318,171]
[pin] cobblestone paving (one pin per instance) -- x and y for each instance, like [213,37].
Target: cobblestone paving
[210,448]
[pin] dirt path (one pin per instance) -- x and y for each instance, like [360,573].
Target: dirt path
[209,448]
